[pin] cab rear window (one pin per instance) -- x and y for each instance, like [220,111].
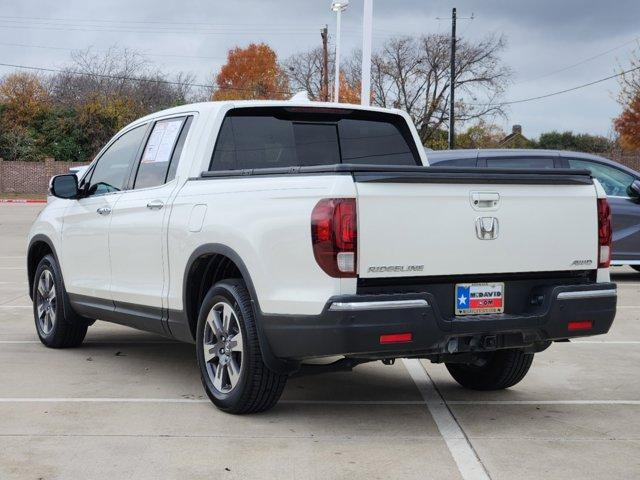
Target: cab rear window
[281,137]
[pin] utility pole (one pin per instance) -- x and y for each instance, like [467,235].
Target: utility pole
[452,134]
[324,33]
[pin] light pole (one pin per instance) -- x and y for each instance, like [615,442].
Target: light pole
[367,27]
[338,6]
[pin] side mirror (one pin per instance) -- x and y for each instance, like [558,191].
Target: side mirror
[634,190]
[64,186]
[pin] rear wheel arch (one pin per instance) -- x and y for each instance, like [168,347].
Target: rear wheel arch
[210,264]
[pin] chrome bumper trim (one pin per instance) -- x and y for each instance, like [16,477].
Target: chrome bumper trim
[587,294]
[381,305]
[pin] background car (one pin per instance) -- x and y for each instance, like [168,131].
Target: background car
[621,183]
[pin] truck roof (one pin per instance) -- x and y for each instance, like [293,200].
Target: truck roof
[212,107]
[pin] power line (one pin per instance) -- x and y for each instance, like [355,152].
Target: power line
[23,45]
[553,94]
[172,23]
[581,62]
[114,77]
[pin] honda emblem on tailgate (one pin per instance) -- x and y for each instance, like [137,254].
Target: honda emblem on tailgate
[487,228]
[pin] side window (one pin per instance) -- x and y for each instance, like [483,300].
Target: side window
[112,169]
[522,162]
[158,153]
[615,182]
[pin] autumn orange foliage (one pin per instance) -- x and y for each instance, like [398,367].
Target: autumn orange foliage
[628,125]
[24,96]
[251,73]
[349,93]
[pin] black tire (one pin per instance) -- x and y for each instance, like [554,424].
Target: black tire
[65,328]
[635,267]
[496,371]
[257,388]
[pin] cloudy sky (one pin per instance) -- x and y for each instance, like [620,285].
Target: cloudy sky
[552,45]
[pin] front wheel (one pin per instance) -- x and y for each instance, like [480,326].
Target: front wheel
[57,325]
[232,371]
[492,371]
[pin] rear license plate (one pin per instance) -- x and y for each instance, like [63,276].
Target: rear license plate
[479,298]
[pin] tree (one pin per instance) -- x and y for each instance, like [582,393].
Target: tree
[413,74]
[628,123]
[251,73]
[578,142]
[481,135]
[119,73]
[304,72]
[72,114]
[25,98]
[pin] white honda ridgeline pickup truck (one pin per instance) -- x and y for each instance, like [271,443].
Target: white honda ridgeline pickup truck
[270,233]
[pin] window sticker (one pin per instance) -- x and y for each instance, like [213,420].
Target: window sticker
[161,141]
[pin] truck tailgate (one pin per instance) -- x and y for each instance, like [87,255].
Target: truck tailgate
[474,222]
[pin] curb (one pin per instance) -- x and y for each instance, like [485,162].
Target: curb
[21,200]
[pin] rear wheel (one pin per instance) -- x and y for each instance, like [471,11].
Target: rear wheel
[232,371]
[493,371]
[57,325]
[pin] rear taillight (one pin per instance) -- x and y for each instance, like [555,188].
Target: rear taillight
[334,236]
[604,233]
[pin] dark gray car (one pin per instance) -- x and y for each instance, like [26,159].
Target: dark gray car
[622,185]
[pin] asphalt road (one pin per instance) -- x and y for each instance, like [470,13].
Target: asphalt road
[129,405]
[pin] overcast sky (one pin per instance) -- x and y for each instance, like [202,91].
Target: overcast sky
[545,40]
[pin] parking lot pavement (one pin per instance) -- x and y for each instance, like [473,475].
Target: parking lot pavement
[129,404]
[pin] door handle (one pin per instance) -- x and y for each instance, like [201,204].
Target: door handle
[485,200]
[155,205]
[104,211]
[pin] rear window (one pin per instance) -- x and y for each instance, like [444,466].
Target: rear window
[272,138]
[522,162]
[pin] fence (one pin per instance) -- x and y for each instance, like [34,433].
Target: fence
[631,160]
[33,177]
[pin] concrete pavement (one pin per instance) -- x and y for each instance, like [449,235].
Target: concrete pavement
[128,404]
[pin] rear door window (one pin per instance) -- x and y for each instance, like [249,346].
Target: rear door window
[521,162]
[277,138]
[158,153]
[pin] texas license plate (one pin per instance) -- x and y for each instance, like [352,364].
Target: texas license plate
[479,298]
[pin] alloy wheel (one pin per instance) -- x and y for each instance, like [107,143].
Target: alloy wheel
[46,302]
[223,347]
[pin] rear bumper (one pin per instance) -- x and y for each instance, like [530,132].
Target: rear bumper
[353,325]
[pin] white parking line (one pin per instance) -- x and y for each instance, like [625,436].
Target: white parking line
[428,403]
[466,458]
[98,342]
[12,268]
[16,306]
[605,342]
[543,402]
